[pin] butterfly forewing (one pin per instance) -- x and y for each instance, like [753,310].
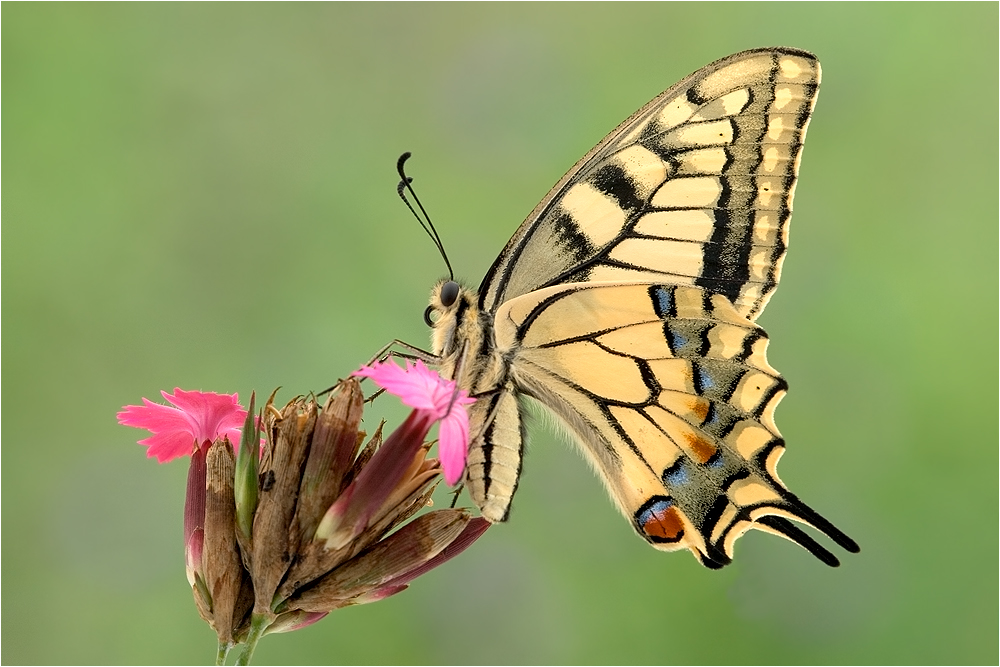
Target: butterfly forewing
[694,189]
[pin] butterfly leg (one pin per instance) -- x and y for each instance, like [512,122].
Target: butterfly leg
[408,352]
[455,493]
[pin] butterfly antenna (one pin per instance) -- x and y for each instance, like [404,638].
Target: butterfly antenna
[406,184]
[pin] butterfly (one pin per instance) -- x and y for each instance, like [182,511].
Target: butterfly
[625,304]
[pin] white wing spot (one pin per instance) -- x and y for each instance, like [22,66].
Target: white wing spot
[714,133]
[764,228]
[766,190]
[645,168]
[686,256]
[775,127]
[734,102]
[782,97]
[727,105]
[790,69]
[770,159]
[760,263]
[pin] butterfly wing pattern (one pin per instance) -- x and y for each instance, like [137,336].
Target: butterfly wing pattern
[625,304]
[694,188]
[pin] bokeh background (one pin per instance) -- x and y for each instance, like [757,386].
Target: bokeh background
[204,196]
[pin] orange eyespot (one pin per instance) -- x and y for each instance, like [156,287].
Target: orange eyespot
[659,520]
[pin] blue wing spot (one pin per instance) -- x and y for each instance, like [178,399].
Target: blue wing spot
[663,301]
[702,380]
[677,341]
[677,474]
[716,461]
[712,417]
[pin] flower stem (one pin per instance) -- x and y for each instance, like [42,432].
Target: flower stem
[258,624]
[220,657]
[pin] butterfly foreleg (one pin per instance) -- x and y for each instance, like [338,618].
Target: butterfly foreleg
[410,352]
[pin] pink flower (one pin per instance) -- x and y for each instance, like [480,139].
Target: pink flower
[199,418]
[440,400]
[324,520]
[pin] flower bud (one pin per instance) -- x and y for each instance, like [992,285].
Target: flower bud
[194,517]
[225,578]
[289,436]
[335,442]
[246,487]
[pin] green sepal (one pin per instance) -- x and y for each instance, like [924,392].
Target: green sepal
[246,487]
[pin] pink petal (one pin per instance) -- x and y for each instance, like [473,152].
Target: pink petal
[154,417]
[169,446]
[423,389]
[211,414]
[453,444]
[416,385]
[199,417]
[376,482]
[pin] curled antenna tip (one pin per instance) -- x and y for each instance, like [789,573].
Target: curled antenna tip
[425,221]
[401,161]
[402,186]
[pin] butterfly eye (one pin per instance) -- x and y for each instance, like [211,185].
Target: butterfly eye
[449,293]
[427,316]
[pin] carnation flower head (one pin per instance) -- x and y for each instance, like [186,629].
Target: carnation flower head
[317,519]
[421,388]
[199,417]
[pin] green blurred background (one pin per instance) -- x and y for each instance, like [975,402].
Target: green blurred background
[203,196]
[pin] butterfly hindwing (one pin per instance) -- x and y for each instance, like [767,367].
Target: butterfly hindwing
[668,390]
[695,188]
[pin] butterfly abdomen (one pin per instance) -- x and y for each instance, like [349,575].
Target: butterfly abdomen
[495,452]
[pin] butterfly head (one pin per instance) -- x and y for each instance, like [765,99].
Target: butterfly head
[452,314]
[443,296]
